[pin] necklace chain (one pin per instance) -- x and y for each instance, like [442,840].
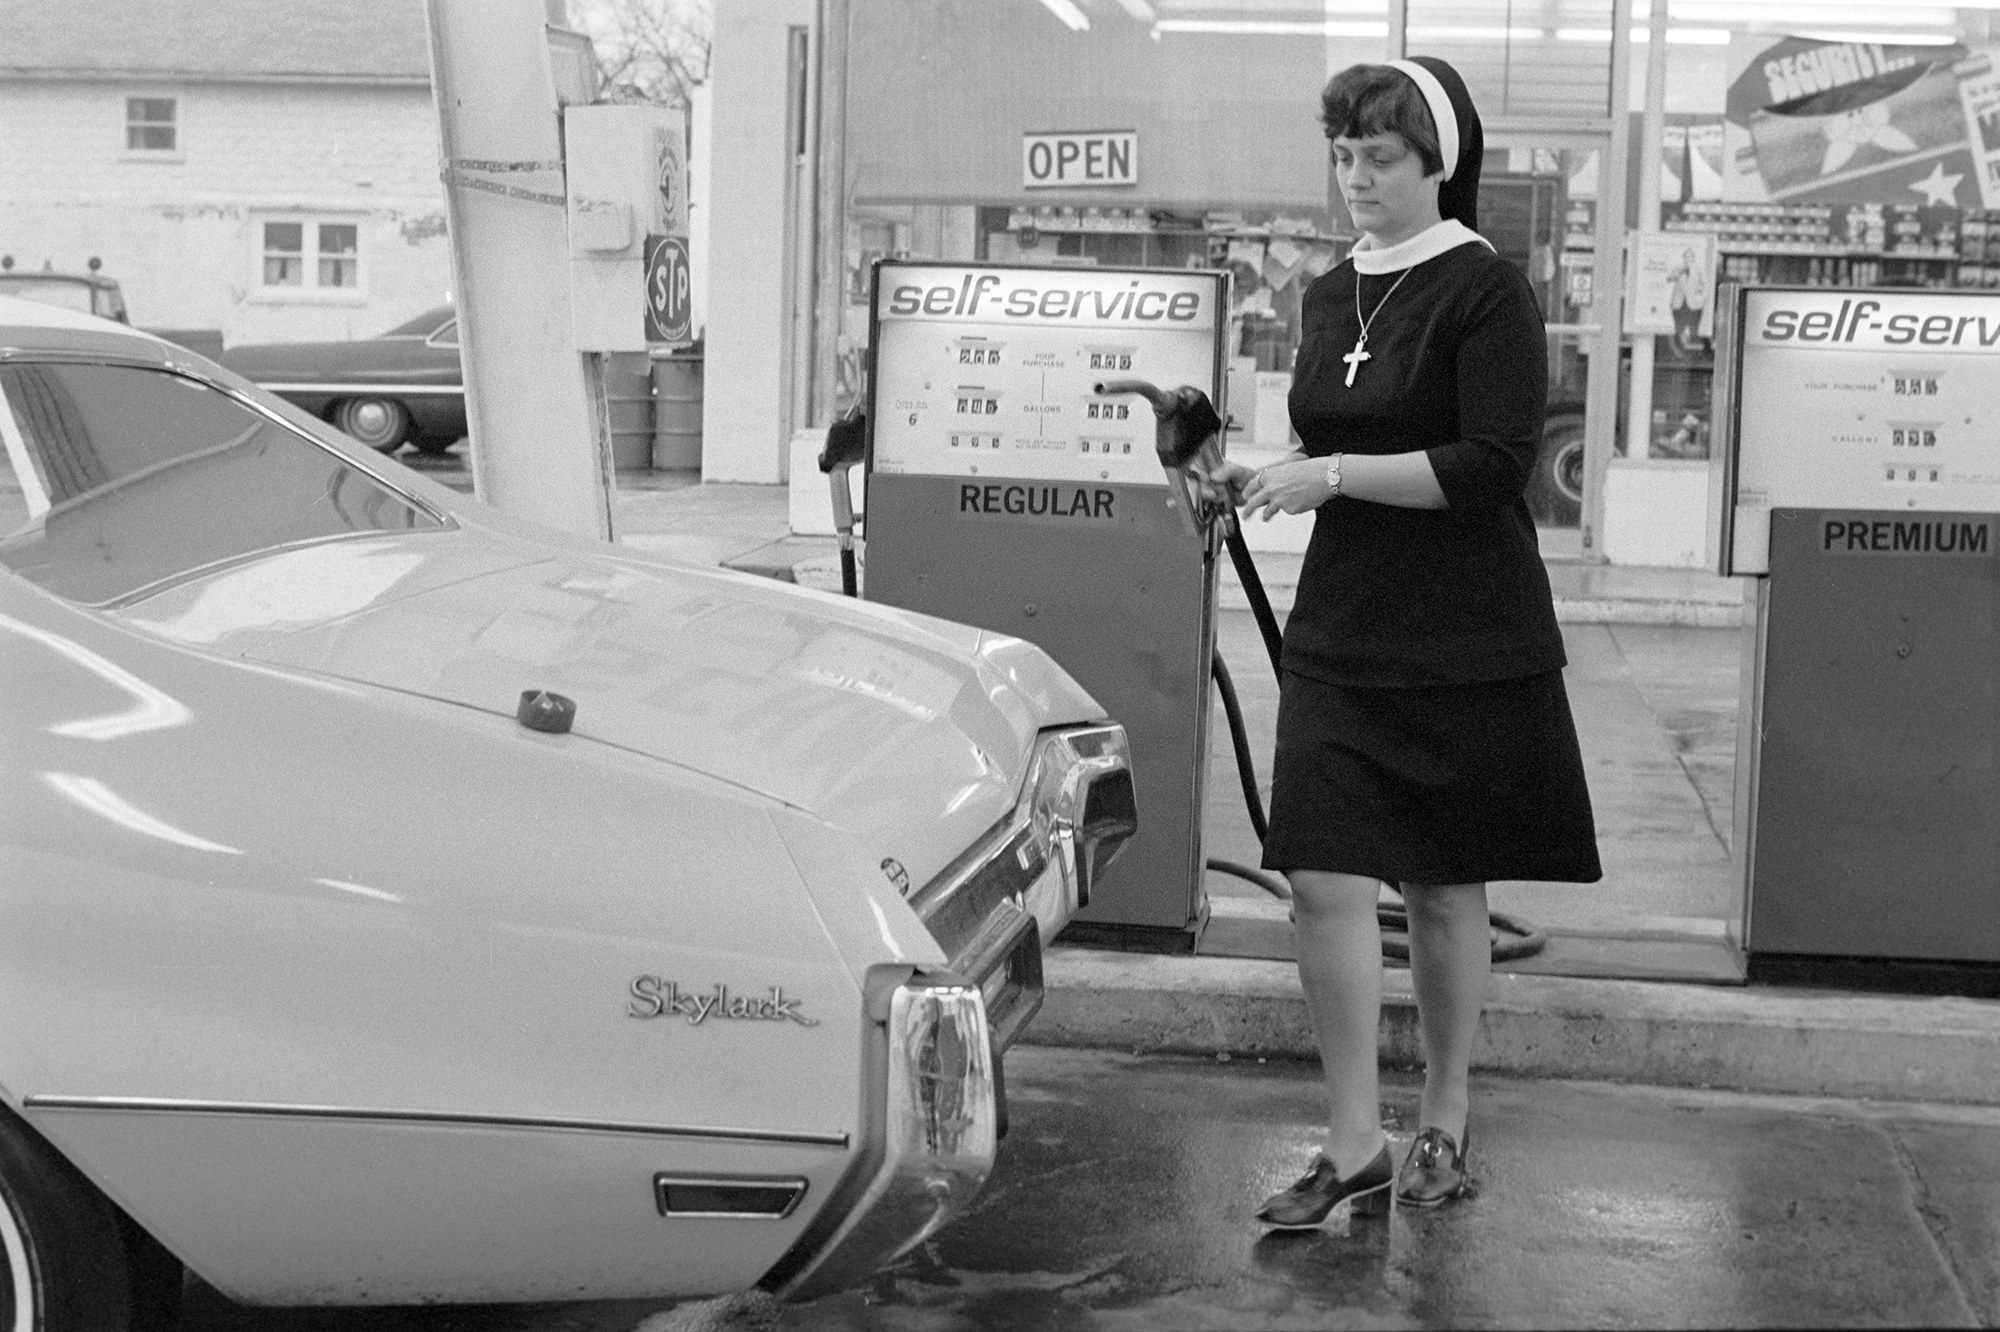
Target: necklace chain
[1360,352]
[1379,304]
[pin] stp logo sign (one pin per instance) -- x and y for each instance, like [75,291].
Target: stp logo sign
[668,311]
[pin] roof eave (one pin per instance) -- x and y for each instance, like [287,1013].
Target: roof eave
[82,75]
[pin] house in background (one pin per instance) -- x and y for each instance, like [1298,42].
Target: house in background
[269,171]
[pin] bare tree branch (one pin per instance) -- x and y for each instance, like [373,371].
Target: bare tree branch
[654,50]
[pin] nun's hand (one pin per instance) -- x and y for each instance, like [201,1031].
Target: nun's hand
[1298,486]
[1222,487]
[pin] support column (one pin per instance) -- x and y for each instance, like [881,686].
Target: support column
[1639,413]
[745,389]
[529,404]
[1608,288]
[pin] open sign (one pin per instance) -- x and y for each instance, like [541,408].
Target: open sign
[1072,159]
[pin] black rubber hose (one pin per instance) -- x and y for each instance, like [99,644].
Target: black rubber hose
[1239,739]
[850,583]
[1260,604]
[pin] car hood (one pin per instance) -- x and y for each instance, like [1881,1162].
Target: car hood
[911,732]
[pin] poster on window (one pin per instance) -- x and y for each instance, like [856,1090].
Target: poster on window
[1854,122]
[1670,285]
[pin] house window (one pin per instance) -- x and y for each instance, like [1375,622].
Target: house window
[284,254]
[339,255]
[310,255]
[150,124]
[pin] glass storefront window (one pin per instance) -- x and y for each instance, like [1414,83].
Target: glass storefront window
[1185,133]
[1818,144]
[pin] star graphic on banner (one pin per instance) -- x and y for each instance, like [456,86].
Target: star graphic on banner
[1938,188]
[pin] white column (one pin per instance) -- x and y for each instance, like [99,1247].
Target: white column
[1639,406]
[1607,288]
[744,385]
[528,399]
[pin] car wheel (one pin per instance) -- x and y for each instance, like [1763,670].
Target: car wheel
[68,1257]
[380,423]
[1555,492]
[434,445]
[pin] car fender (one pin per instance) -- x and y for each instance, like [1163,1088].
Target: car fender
[302,1047]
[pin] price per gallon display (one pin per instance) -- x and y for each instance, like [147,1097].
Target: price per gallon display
[1038,342]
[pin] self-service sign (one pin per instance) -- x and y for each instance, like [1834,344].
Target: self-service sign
[668,308]
[1871,400]
[989,374]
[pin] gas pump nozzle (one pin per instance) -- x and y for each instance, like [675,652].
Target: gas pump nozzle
[1187,436]
[846,445]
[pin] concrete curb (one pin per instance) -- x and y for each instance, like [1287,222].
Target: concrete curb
[1813,1043]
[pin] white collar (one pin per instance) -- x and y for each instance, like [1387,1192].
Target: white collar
[1426,244]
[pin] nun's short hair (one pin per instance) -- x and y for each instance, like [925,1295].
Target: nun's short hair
[1363,100]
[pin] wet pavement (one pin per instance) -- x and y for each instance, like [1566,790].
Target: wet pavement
[1124,1200]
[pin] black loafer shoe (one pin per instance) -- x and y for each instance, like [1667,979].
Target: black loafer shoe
[1308,1203]
[1434,1172]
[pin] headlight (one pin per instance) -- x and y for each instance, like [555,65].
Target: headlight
[941,1134]
[1080,801]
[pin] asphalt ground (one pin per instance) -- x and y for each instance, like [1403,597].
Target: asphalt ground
[1125,1193]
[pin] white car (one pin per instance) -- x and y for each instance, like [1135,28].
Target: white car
[400,902]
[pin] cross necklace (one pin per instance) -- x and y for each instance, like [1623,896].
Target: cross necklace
[1360,352]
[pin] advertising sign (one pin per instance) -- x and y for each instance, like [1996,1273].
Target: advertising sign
[989,373]
[668,284]
[1073,159]
[1672,282]
[1863,400]
[1843,121]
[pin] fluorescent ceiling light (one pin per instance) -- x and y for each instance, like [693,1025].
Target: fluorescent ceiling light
[1474,34]
[1920,11]
[1802,11]
[1273,28]
[1138,9]
[1067,11]
[1640,36]
[1882,38]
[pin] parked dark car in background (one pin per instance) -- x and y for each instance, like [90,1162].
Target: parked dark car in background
[402,387]
[85,293]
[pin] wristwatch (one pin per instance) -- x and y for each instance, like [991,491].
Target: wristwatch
[1333,475]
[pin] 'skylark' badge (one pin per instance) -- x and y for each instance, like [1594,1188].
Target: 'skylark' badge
[893,869]
[654,997]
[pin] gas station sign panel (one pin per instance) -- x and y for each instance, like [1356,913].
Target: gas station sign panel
[991,373]
[1872,400]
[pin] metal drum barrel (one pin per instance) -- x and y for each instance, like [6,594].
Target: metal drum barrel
[628,393]
[677,412]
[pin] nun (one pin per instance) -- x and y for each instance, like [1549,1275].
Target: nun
[1424,736]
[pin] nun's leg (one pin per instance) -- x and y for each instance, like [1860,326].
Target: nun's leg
[1451,959]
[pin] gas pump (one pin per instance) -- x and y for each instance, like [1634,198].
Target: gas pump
[1858,485]
[1005,491]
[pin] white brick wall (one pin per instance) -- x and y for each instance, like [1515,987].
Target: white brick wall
[181,235]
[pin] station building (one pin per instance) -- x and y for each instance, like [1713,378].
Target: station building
[1638,154]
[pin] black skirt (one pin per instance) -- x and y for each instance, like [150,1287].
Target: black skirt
[1437,784]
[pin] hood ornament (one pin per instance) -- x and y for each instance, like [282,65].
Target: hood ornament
[892,869]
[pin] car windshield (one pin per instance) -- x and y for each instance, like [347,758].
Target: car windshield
[122,477]
[49,291]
